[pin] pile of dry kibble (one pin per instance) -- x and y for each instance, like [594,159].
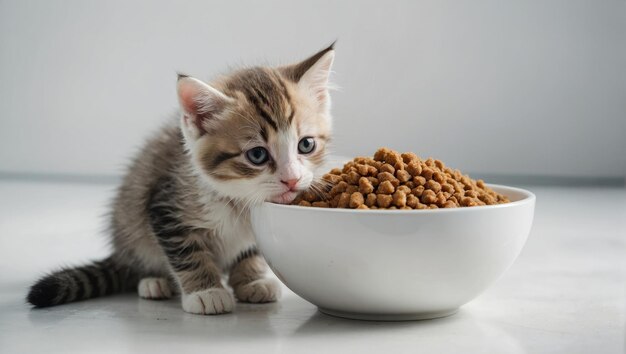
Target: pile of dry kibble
[392,180]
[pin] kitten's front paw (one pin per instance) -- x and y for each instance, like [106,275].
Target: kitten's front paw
[212,301]
[258,291]
[154,288]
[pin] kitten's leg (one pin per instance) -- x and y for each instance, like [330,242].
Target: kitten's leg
[154,288]
[189,256]
[202,289]
[250,285]
[197,274]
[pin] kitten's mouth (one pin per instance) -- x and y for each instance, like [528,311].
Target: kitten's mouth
[285,198]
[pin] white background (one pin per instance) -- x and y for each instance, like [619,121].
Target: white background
[511,88]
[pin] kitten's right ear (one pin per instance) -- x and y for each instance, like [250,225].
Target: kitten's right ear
[313,73]
[201,104]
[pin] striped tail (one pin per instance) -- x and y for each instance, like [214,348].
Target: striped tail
[74,284]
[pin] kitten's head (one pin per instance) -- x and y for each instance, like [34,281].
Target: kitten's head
[259,133]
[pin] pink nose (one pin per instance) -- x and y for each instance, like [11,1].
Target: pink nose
[291,183]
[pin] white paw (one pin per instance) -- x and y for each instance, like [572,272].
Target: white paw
[154,288]
[208,302]
[261,290]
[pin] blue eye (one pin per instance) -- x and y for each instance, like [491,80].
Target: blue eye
[306,145]
[258,155]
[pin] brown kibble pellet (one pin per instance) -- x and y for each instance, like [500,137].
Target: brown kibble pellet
[433,186]
[381,154]
[362,169]
[466,201]
[429,197]
[414,168]
[412,201]
[384,200]
[447,188]
[419,180]
[471,194]
[387,168]
[365,186]
[339,188]
[309,196]
[352,188]
[353,177]
[450,204]
[333,179]
[404,188]
[399,199]
[441,198]
[408,157]
[487,199]
[403,176]
[386,176]
[418,191]
[385,187]
[344,200]
[393,158]
[439,177]
[356,199]
[373,181]
[391,180]
[427,173]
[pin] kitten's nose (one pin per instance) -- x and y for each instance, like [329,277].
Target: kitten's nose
[291,183]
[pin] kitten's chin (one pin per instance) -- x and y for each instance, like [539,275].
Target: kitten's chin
[285,198]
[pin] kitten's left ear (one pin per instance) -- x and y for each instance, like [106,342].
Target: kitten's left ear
[201,104]
[313,73]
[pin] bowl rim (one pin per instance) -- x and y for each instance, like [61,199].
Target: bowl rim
[529,197]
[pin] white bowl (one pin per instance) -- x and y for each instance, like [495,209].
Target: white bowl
[393,264]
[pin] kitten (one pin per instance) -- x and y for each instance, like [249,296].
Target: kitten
[180,220]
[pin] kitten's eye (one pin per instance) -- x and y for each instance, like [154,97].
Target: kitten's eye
[258,155]
[306,145]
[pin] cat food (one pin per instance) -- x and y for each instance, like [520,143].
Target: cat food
[391,180]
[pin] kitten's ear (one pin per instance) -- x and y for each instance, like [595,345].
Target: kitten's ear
[313,73]
[201,104]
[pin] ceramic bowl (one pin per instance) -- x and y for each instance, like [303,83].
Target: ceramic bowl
[393,264]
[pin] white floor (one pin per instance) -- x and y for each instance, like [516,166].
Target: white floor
[565,293]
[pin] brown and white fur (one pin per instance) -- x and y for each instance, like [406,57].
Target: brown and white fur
[180,220]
